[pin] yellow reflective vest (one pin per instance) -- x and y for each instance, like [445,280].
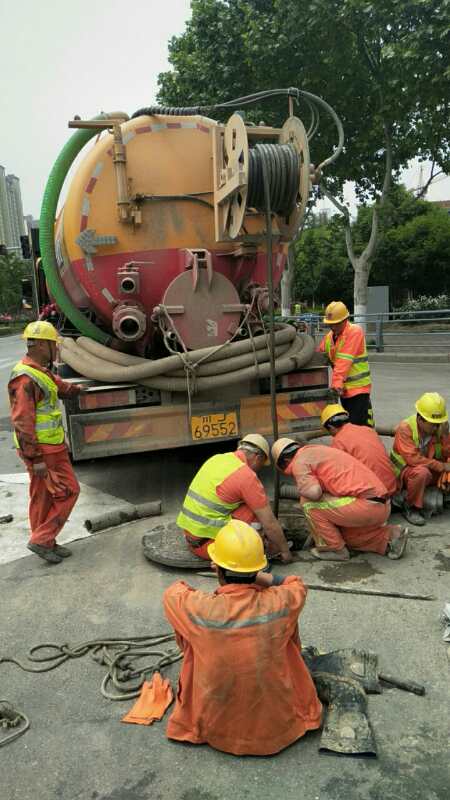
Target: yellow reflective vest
[48,425]
[397,460]
[203,512]
[350,347]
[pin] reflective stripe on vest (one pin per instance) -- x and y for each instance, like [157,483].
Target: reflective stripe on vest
[359,374]
[203,512]
[48,424]
[337,502]
[398,461]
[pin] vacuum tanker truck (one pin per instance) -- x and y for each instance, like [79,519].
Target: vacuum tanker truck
[165,262]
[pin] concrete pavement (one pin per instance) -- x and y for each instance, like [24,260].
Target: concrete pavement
[77,749]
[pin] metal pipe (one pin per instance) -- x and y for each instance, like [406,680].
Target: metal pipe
[120,168]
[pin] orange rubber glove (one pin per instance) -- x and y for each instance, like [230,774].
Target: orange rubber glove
[152,703]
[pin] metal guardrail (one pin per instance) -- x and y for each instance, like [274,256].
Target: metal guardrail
[383,328]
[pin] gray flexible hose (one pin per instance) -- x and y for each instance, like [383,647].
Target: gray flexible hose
[97,362]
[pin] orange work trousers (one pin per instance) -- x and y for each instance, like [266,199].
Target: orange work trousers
[51,498]
[415,480]
[359,525]
[198,545]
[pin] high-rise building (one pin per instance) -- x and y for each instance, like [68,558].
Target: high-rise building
[12,225]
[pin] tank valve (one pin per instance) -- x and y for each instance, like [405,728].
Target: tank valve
[129,322]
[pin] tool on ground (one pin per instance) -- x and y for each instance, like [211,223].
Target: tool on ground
[342,679]
[119,516]
[123,658]
[6,518]
[445,620]
[12,719]
[154,700]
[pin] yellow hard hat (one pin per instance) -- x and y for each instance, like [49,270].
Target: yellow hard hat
[238,547]
[335,312]
[279,446]
[431,406]
[332,410]
[258,441]
[41,330]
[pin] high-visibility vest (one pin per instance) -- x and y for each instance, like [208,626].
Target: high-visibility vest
[48,425]
[398,461]
[203,512]
[359,374]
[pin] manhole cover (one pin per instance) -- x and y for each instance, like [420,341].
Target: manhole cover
[165,544]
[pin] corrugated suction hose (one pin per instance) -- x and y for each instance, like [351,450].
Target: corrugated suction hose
[207,368]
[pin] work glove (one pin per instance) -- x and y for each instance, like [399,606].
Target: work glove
[444,482]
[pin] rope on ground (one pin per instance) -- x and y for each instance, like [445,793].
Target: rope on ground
[122,658]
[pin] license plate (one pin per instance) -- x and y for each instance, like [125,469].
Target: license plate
[214,426]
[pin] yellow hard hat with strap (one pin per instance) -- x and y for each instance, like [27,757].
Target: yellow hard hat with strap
[431,406]
[330,411]
[41,329]
[238,547]
[335,312]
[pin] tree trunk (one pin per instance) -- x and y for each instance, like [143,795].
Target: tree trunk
[360,292]
[286,285]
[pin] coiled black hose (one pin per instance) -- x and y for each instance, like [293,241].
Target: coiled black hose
[283,168]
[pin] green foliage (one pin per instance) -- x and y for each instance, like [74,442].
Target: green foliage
[413,253]
[384,67]
[426,303]
[12,271]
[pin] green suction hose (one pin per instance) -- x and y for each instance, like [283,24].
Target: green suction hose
[46,231]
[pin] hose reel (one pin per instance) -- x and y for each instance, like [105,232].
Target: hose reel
[239,204]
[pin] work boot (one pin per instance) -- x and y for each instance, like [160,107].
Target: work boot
[47,553]
[62,552]
[331,555]
[413,515]
[397,546]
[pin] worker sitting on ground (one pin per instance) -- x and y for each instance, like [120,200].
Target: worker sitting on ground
[39,438]
[421,452]
[227,486]
[344,502]
[345,346]
[244,687]
[362,442]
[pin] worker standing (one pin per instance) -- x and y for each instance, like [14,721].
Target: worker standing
[421,452]
[346,505]
[227,486]
[362,442]
[39,437]
[345,346]
[244,687]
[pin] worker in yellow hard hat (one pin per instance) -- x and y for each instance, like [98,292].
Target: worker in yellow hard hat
[345,346]
[346,504]
[421,452]
[361,442]
[39,437]
[243,687]
[226,487]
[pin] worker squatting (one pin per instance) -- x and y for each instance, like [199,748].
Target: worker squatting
[230,663]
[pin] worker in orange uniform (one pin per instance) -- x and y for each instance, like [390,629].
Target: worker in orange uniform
[226,487]
[39,437]
[421,452]
[244,687]
[345,346]
[361,442]
[346,505]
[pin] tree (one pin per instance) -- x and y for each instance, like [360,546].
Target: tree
[12,271]
[383,65]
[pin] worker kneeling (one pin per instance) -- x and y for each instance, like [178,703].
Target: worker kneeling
[244,687]
[226,487]
[421,452]
[346,505]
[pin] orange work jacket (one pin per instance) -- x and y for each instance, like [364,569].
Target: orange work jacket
[348,356]
[243,687]
[365,445]
[414,455]
[338,473]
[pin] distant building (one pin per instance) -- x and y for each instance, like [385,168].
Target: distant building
[445,204]
[12,225]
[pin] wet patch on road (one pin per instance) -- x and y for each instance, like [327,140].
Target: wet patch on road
[443,560]
[130,791]
[352,571]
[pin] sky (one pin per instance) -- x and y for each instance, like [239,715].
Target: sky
[58,60]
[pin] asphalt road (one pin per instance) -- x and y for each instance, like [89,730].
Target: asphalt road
[77,749]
